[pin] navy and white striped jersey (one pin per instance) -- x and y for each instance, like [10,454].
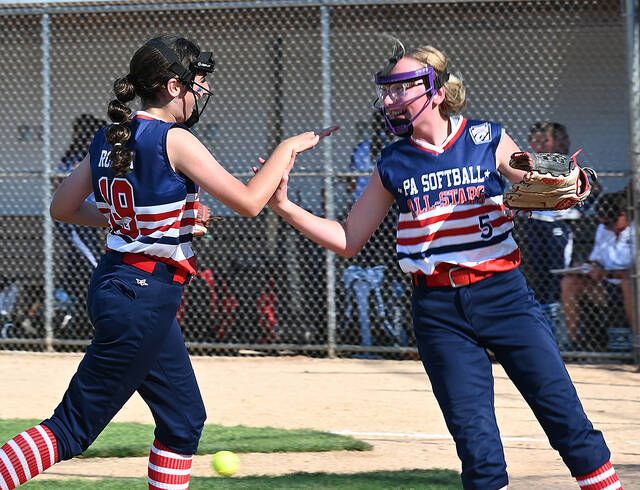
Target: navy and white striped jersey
[151,209]
[450,200]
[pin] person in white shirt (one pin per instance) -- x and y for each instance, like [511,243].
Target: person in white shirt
[610,264]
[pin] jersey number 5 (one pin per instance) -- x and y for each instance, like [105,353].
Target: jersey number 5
[485,226]
[119,197]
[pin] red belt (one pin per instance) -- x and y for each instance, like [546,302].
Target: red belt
[452,276]
[149,264]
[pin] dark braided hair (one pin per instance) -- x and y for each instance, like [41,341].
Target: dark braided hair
[119,133]
[148,75]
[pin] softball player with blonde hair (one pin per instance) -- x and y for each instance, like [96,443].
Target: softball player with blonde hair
[454,239]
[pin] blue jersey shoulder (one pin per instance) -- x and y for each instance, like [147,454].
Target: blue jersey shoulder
[153,179]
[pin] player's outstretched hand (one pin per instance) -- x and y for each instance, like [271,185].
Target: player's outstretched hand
[299,143]
[302,141]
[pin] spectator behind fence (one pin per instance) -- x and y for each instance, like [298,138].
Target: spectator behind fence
[84,127]
[367,152]
[547,239]
[606,279]
[368,276]
[80,247]
[82,243]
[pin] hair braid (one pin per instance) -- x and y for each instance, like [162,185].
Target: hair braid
[119,133]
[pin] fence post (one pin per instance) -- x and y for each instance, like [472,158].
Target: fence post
[46,168]
[325,25]
[633,49]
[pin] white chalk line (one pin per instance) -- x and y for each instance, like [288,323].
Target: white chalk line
[424,436]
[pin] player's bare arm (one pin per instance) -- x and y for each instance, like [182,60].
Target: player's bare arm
[192,158]
[69,201]
[346,239]
[506,148]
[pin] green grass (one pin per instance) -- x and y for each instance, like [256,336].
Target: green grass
[129,439]
[375,480]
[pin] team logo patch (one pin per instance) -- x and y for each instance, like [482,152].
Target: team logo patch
[142,282]
[481,133]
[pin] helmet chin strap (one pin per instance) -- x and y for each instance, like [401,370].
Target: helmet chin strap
[400,127]
[193,118]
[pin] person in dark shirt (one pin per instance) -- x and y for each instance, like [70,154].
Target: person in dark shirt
[546,237]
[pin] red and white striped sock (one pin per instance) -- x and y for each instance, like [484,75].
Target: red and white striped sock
[26,455]
[168,470]
[604,478]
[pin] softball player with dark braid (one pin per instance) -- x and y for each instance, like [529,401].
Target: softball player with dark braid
[454,239]
[144,170]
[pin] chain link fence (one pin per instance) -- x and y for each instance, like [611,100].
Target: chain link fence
[283,67]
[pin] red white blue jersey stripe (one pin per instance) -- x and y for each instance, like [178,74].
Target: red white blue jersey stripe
[450,200]
[151,209]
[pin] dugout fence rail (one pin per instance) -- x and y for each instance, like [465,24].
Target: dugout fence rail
[288,66]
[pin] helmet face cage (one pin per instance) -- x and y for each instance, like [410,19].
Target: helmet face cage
[399,83]
[203,93]
[405,80]
[205,64]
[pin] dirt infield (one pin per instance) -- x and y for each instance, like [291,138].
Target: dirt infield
[387,403]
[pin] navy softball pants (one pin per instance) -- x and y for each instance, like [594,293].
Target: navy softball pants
[453,328]
[137,346]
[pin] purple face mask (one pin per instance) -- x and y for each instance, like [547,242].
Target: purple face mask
[394,87]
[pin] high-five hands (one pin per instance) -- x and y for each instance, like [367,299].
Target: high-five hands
[280,195]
